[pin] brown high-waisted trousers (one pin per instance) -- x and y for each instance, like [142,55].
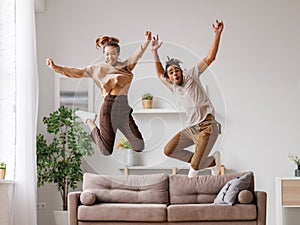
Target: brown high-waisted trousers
[115,113]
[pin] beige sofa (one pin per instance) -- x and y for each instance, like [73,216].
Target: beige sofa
[164,199]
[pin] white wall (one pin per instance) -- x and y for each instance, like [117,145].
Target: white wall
[256,70]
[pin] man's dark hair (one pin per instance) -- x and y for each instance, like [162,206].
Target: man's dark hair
[169,62]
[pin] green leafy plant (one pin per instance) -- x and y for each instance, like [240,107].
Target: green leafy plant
[123,143]
[147,96]
[294,158]
[59,161]
[2,165]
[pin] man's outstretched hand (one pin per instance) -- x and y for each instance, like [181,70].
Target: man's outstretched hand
[218,27]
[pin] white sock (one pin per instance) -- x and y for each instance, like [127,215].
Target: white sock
[192,172]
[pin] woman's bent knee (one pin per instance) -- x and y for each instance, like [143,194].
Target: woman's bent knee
[139,147]
[106,151]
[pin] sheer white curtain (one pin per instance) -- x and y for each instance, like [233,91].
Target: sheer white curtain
[26,115]
[7,86]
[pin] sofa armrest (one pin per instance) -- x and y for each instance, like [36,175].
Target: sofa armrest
[73,203]
[261,203]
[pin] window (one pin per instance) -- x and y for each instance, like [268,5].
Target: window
[7,85]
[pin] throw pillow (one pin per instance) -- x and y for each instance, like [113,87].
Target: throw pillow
[87,198]
[245,197]
[230,190]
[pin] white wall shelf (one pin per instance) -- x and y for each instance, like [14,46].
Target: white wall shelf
[173,170]
[154,167]
[145,111]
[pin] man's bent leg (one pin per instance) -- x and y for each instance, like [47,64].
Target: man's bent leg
[205,141]
[175,147]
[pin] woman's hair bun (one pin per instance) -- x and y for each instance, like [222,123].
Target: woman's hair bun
[103,41]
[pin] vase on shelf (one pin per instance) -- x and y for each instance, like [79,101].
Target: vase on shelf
[297,171]
[130,157]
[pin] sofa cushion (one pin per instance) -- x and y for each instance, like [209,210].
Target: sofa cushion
[245,197]
[199,189]
[87,198]
[151,188]
[230,190]
[123,212]
[211,212]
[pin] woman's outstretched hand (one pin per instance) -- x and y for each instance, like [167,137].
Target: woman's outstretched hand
[50,63]
[148,35]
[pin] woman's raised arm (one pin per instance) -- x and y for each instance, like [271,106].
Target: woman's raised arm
[67,71]
[133,59]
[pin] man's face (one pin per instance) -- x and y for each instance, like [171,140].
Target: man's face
[175,75]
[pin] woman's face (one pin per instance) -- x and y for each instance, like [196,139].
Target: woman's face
[111,55]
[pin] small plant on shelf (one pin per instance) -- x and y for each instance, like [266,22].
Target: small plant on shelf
[2,170]
[147,96]
[130,154]
[2,165]
[147,99]
[294,158]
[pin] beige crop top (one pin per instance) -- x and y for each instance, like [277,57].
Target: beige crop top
[105,76]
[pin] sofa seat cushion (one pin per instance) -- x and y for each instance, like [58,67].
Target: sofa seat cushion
[123,212]
[151,188]
[211,212]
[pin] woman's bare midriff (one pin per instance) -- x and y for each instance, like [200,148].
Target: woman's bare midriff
[119,91]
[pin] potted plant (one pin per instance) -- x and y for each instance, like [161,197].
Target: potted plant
[130,154]
[2,170]
[147,100]
[59,161]
[295,159]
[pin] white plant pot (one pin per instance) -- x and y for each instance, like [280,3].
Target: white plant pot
[130,157]
[61,217]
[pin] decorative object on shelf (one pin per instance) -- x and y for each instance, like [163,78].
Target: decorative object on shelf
[2,170]
[130,154]
[295,159]
[222,170]
[147,100]
[59,161]
[131,158]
